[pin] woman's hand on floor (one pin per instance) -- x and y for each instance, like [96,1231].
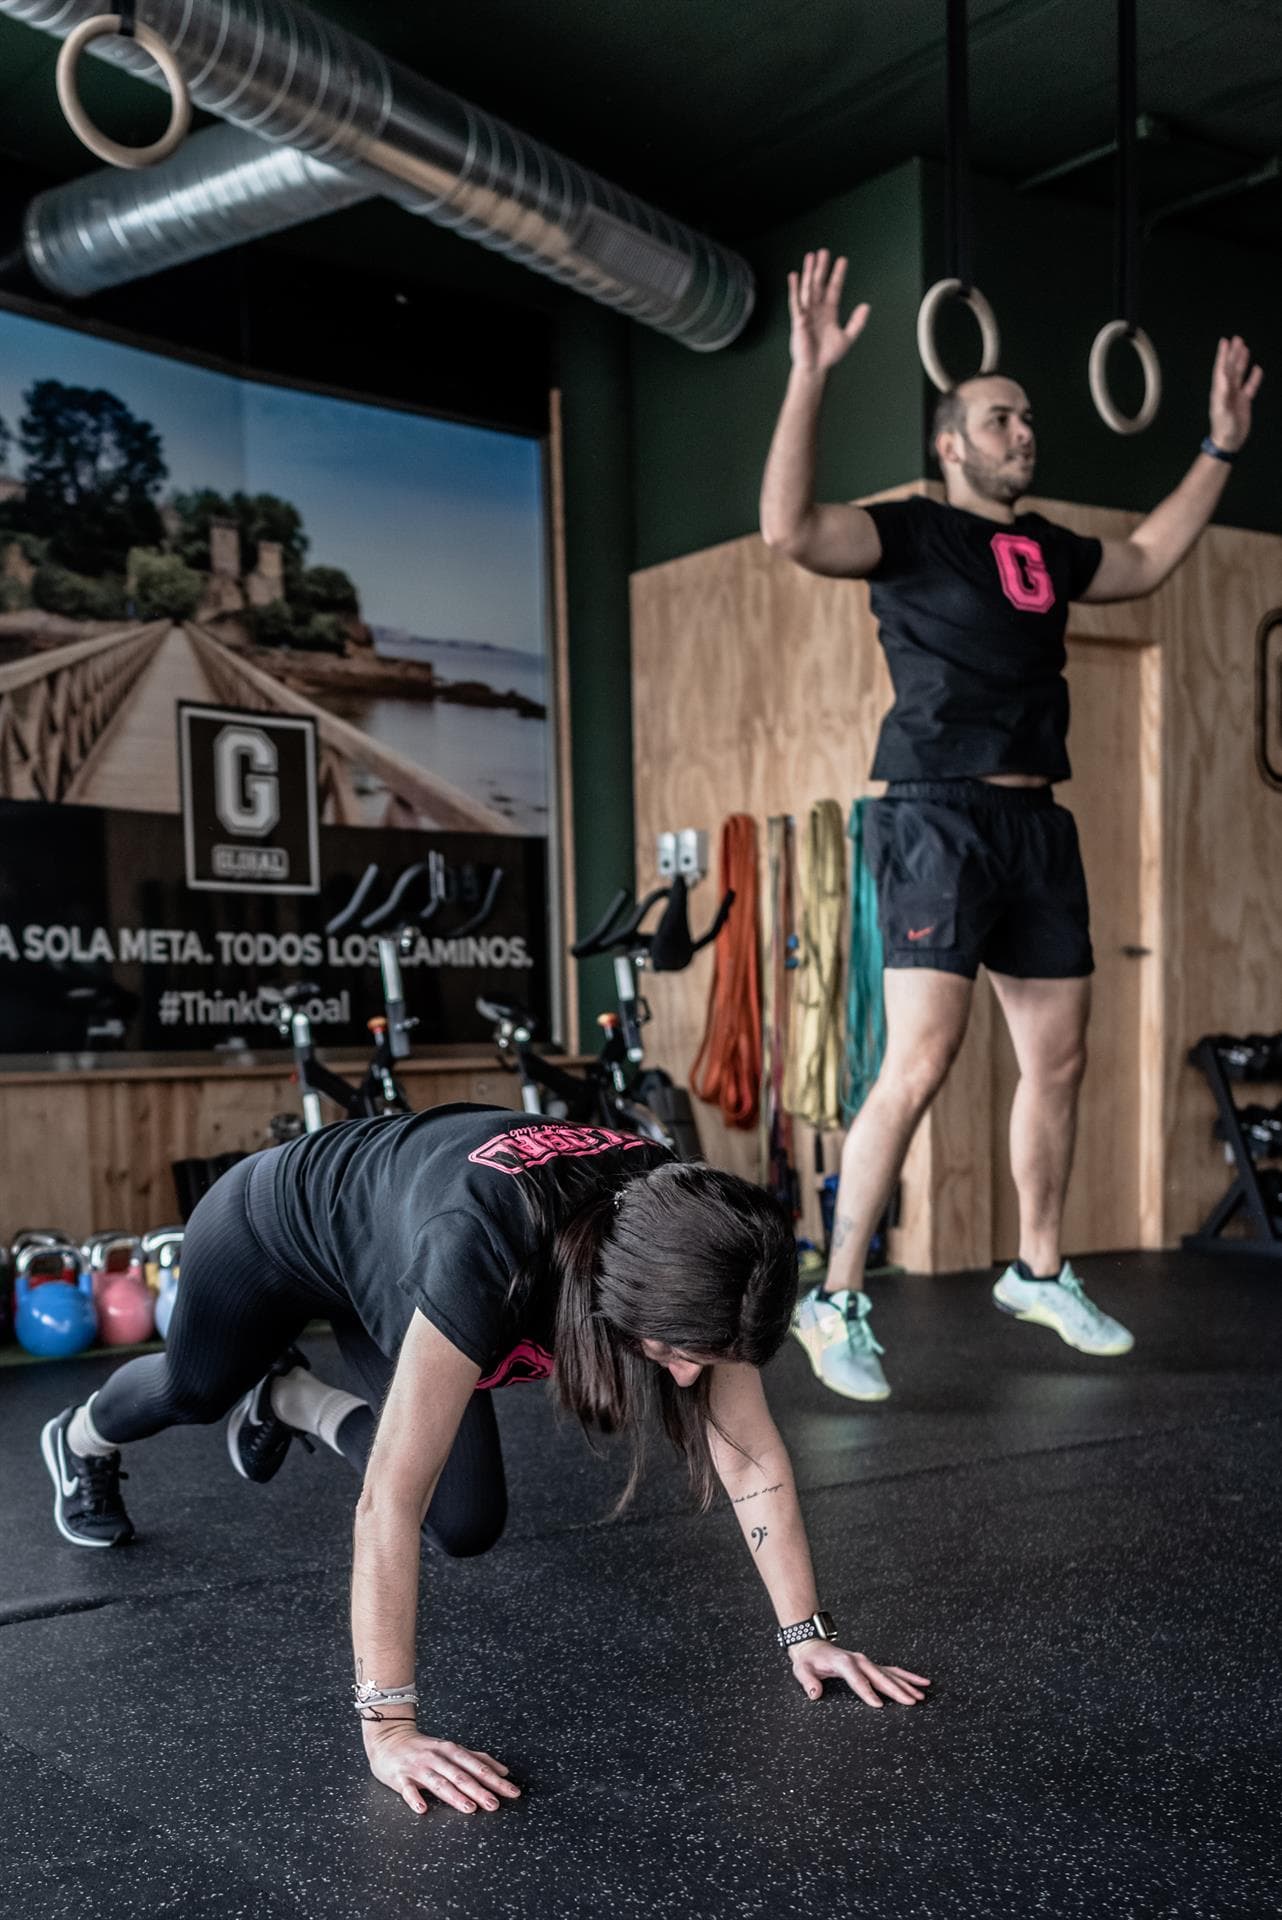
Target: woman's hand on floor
[814,1661]
[414,1764]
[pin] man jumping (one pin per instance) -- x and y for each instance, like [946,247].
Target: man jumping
[976,864]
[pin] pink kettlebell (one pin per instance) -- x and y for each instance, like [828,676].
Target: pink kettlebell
[108,1255]
[126,1310]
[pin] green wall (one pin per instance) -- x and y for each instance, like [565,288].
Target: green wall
[702,422]
[1046,267]
[592,352]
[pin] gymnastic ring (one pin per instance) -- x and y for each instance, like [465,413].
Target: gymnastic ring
[1098,374]
[974,299]
[100,28]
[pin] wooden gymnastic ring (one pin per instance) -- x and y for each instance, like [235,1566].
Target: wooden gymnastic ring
[100,28]
[974,299]
[1098,376]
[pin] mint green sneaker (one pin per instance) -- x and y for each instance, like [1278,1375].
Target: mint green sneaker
[840,1345]
[1062,1305]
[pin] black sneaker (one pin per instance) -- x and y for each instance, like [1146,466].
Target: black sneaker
[256,1440]
[87,1505]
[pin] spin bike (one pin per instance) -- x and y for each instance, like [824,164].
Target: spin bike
[616,1089]
[378,1091]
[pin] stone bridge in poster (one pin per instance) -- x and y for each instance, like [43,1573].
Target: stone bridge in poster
[93,723]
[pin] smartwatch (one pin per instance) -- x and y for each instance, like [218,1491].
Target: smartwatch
[819,1626]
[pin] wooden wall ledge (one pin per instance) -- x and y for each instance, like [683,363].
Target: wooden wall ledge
[458,1060]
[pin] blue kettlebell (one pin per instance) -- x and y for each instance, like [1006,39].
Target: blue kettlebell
[56,1318]
[166,1300]
[162,1257]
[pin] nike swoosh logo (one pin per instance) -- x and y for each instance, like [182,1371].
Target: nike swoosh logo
[68,1486]
[919,933]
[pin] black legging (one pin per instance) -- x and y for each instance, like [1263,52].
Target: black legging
[238,1308]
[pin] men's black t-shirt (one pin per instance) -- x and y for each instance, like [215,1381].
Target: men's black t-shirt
[427,1212]
[972,616]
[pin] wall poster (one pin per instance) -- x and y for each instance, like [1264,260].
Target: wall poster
[274,674]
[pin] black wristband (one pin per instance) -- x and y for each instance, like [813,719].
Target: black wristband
[1217,453]
[818,1627]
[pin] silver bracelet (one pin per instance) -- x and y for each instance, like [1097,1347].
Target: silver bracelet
[367,1698]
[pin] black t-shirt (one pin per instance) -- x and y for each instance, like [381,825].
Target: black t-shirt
[972,615]
[427,1211]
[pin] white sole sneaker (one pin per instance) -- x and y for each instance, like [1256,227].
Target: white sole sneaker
[1108,1342]
[815,1344]
[62,1491]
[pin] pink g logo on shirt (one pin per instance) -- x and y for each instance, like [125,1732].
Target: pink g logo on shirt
[523,1148]
[1025,579]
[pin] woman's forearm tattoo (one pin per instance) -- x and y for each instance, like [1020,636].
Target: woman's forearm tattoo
[757,1492]
[759,1535]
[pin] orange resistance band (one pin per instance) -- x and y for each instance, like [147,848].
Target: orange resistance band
[727,1072]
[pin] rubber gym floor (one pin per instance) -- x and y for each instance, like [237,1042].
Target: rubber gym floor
[1082,1554]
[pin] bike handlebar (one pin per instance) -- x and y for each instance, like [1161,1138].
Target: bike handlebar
[619,931]
[594,942]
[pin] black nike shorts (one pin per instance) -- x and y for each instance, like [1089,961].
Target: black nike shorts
[970,875]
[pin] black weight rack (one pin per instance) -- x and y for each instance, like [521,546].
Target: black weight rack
[1251,1193]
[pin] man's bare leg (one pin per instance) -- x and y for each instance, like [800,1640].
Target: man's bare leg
[926,1016]
[1047,1021]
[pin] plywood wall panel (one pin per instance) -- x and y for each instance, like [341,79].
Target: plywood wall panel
[90,1151]
[756,688]
[1223,835]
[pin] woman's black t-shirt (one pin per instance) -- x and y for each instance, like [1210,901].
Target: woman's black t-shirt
[385,1216]
[972,616]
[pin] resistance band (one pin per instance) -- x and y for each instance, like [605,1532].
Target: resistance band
[727,1071]
[865,999]
[813,1077]
[781,961]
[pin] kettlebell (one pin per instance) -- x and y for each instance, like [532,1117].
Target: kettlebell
[38,1237]
[100,1256]
[162,1251]
[109,1255]
[166,1300]
[126,1309]
[56,1318]
[40,1263]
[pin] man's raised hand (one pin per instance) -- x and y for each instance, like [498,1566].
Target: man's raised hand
[819,340]
[1234,385]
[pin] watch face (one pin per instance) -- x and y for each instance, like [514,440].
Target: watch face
[825,1627]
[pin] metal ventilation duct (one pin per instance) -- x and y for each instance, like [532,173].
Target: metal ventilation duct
[278,71]
[221,188]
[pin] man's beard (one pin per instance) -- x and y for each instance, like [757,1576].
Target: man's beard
[1003,481]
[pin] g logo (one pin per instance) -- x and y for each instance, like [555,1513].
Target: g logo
[1025,578]
[246,786]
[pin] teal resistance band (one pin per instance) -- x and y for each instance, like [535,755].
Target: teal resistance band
[865,1001]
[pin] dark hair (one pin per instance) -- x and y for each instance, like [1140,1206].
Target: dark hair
[950,408]
[642,1247]
[950,413]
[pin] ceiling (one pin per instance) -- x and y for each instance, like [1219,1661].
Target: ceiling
[737,113]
